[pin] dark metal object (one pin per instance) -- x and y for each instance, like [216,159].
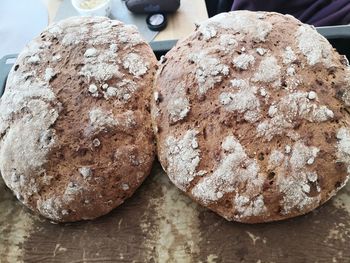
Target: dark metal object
[338,36]
[334,32]
[152,6]
[156,22]
[160,48]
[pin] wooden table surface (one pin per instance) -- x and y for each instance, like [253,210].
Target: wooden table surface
[180,24]
[160,224]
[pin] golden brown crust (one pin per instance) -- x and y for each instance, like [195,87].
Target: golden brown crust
[250,116]
[82,117]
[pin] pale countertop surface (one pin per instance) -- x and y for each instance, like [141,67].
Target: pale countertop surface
[179,25]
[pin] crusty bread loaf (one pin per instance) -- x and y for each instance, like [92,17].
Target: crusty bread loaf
[76,137]
[251,116]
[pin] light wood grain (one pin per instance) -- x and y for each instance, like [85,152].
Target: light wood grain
[180,24]
[183,21]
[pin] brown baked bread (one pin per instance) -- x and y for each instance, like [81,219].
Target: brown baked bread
[76,137]
[251,116]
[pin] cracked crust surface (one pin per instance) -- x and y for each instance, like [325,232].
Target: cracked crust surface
[75,129]
[251,116]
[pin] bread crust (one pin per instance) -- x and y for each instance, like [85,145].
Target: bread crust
[76,137]
[251,116]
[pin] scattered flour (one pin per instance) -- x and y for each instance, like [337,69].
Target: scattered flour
[178,107]
[123,91]
[101,120]
[35,59]
[314,46]
[243,100]
[343,147]
[130,36]
[176,223]
[263,92]
[49,74]
[136,65]
[290,71]
[250,207]
[208,32]
[101,71]
[290,108]
[243,61]
[268,71]
[295,187]
[209,71]
[183,158]
[26,141]
[228,42]
[276,157]
[54,207]
[235,168]
[242,22]
[288,56]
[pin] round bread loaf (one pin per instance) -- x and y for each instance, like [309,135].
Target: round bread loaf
[76,137]
[251,115]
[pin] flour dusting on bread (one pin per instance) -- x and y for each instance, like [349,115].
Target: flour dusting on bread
[268,99]
[183,157]
[71,122]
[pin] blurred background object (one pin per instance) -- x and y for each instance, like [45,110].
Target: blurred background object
[152,6]
[93,7]
[20,22]
[179,24]
[313,12]
[331,17]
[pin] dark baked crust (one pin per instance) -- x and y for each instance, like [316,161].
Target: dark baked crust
[250,114]
[76,137]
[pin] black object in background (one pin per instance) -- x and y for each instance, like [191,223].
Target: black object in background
[215,7]
[212,7]
[152,6]
[156,22]
[224,6]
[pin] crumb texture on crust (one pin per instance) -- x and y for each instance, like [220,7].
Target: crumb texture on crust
[179,107]
[284,113]
[243,23]
[75,129]
[343,147]
[183,157]
[209,70]
[265,99]
[243,100]
[297,186]
[314,46]
[235,168]
[268,70]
